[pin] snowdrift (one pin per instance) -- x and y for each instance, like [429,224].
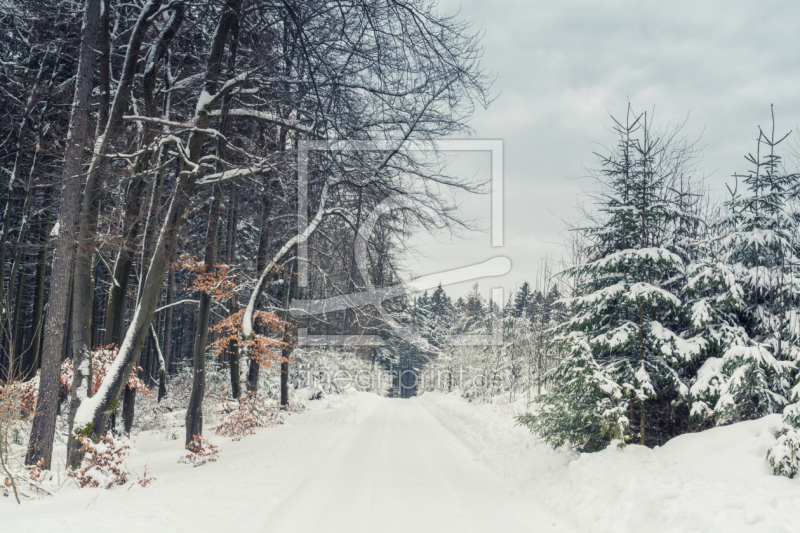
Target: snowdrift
[717,480]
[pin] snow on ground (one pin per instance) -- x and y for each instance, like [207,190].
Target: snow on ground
[717,480]
[399,471]
[436,463]
[251,477]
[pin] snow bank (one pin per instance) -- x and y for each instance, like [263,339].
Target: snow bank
[251,478]
[717,480]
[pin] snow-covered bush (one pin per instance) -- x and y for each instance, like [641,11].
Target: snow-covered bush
[243,417]
[784,454]
[103,463]
[202,452]
[167,416]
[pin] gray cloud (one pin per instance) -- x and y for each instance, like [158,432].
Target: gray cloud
[563,66]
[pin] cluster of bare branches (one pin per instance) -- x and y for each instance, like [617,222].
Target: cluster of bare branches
[135,133]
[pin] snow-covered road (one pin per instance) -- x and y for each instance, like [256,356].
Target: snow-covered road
[401,470]
[356,462]
[349,463]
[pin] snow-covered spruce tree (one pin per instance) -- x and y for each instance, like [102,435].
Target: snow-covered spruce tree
[624,375]
[759,245]
[583,408]
[714,299]
[522,300]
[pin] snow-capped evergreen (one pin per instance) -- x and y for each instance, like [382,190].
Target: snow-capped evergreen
[756,296]
[626,369]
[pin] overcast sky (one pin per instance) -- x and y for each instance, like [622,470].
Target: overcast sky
[562,67]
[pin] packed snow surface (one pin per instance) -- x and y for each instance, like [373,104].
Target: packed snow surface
[401,470]
[359,463]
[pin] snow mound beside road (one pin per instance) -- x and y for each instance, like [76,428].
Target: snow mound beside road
[717,480]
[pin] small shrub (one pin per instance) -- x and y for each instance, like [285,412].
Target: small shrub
[784,455]
[103,464]
[144,480]
[243,417]
[202,452]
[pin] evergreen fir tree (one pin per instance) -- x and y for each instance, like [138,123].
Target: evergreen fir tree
[522,300]
[627,328]
[759,249]
[440,302]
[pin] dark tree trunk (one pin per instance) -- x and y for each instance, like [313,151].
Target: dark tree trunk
[117,299]
[128,409]
[194,412]
[261,263]
[15,327]
[104,68]
[288,338]
[233,346]
[167,350]
[41,271]
[42,433]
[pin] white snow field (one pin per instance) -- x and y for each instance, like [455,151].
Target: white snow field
[360,463]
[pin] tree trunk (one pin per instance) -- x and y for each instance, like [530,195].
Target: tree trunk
[233,346]
[117,299]
[104,68]
[194,412]
[167,350]
[94,412]
[15,329]
[42,433]
[162,371]
[261,263]
[288,338]
[128,409]
[41,272]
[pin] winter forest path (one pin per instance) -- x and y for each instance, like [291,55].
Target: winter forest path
[401,470]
